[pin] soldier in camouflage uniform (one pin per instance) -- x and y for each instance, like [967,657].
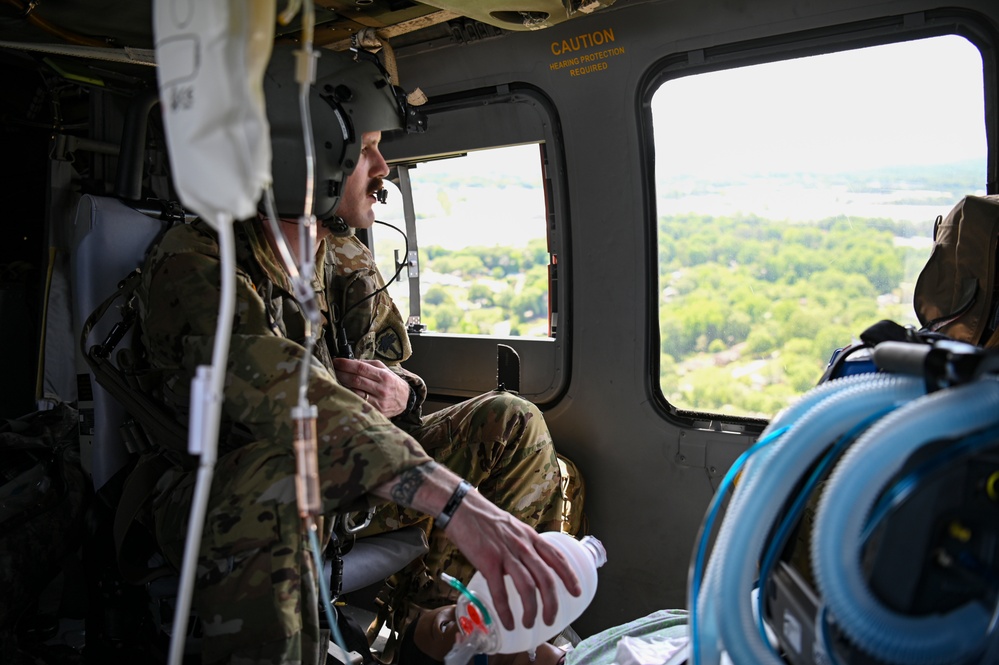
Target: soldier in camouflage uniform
[256,587]
[497,441]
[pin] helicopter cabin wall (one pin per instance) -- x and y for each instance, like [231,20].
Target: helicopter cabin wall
[650,468]
[62,136]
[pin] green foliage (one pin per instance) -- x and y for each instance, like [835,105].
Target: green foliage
[437,295]
[480,294]
[447,316]
[751,309]
[459,264]
[491,290]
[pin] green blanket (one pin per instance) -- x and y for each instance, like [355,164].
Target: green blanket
[601,649]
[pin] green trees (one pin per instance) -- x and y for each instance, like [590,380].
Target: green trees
[750,310]
[487,290]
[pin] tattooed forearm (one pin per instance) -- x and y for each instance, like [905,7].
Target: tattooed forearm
[409,483]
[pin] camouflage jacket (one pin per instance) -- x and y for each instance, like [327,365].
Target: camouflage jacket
[178,305]
[373,325]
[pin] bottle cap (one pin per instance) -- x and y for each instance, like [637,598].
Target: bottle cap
[596,548]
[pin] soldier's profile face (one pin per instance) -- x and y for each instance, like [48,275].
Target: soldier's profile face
[359,191]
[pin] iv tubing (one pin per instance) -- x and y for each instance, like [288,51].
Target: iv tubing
[305,75]
[306,119]
[208,435]
[324,591]
[302,287]
[864,469]
[302,275]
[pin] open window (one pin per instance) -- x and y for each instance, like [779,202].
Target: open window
[476,203]
[795,202]
[483,251]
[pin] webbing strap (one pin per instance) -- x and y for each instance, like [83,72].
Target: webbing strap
[126,288]
[153,419]
[132,548]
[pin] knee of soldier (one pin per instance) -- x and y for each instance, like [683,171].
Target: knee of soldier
[521,416]
[512,405]
[507,400]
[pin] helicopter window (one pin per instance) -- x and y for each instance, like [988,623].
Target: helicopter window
[795,204]
[483,200]
[483,249]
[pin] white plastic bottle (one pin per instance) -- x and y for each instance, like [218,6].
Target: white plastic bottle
[584,555]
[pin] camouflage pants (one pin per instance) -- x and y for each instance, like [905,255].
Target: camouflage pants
[256,591]
[499,443]
[256,588]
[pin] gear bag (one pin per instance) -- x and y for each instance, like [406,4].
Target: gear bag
[956,292]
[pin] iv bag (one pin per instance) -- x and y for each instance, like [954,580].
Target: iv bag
[211,56]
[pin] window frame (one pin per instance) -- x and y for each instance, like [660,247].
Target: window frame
[510,114]
[887,30]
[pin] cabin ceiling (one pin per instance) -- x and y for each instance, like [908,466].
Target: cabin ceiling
[52,51]
[127,23]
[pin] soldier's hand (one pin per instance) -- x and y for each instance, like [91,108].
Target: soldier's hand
[375,383]
[498,544]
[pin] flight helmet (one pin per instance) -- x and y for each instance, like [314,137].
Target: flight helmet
[351,95]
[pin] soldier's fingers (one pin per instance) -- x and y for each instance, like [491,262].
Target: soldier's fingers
[355,374]
[501,602]
[369,370]
[560,564]
[347,366]
[348,381]
[527,586]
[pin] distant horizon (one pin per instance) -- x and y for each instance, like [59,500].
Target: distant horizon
[781,197]
[911,192]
